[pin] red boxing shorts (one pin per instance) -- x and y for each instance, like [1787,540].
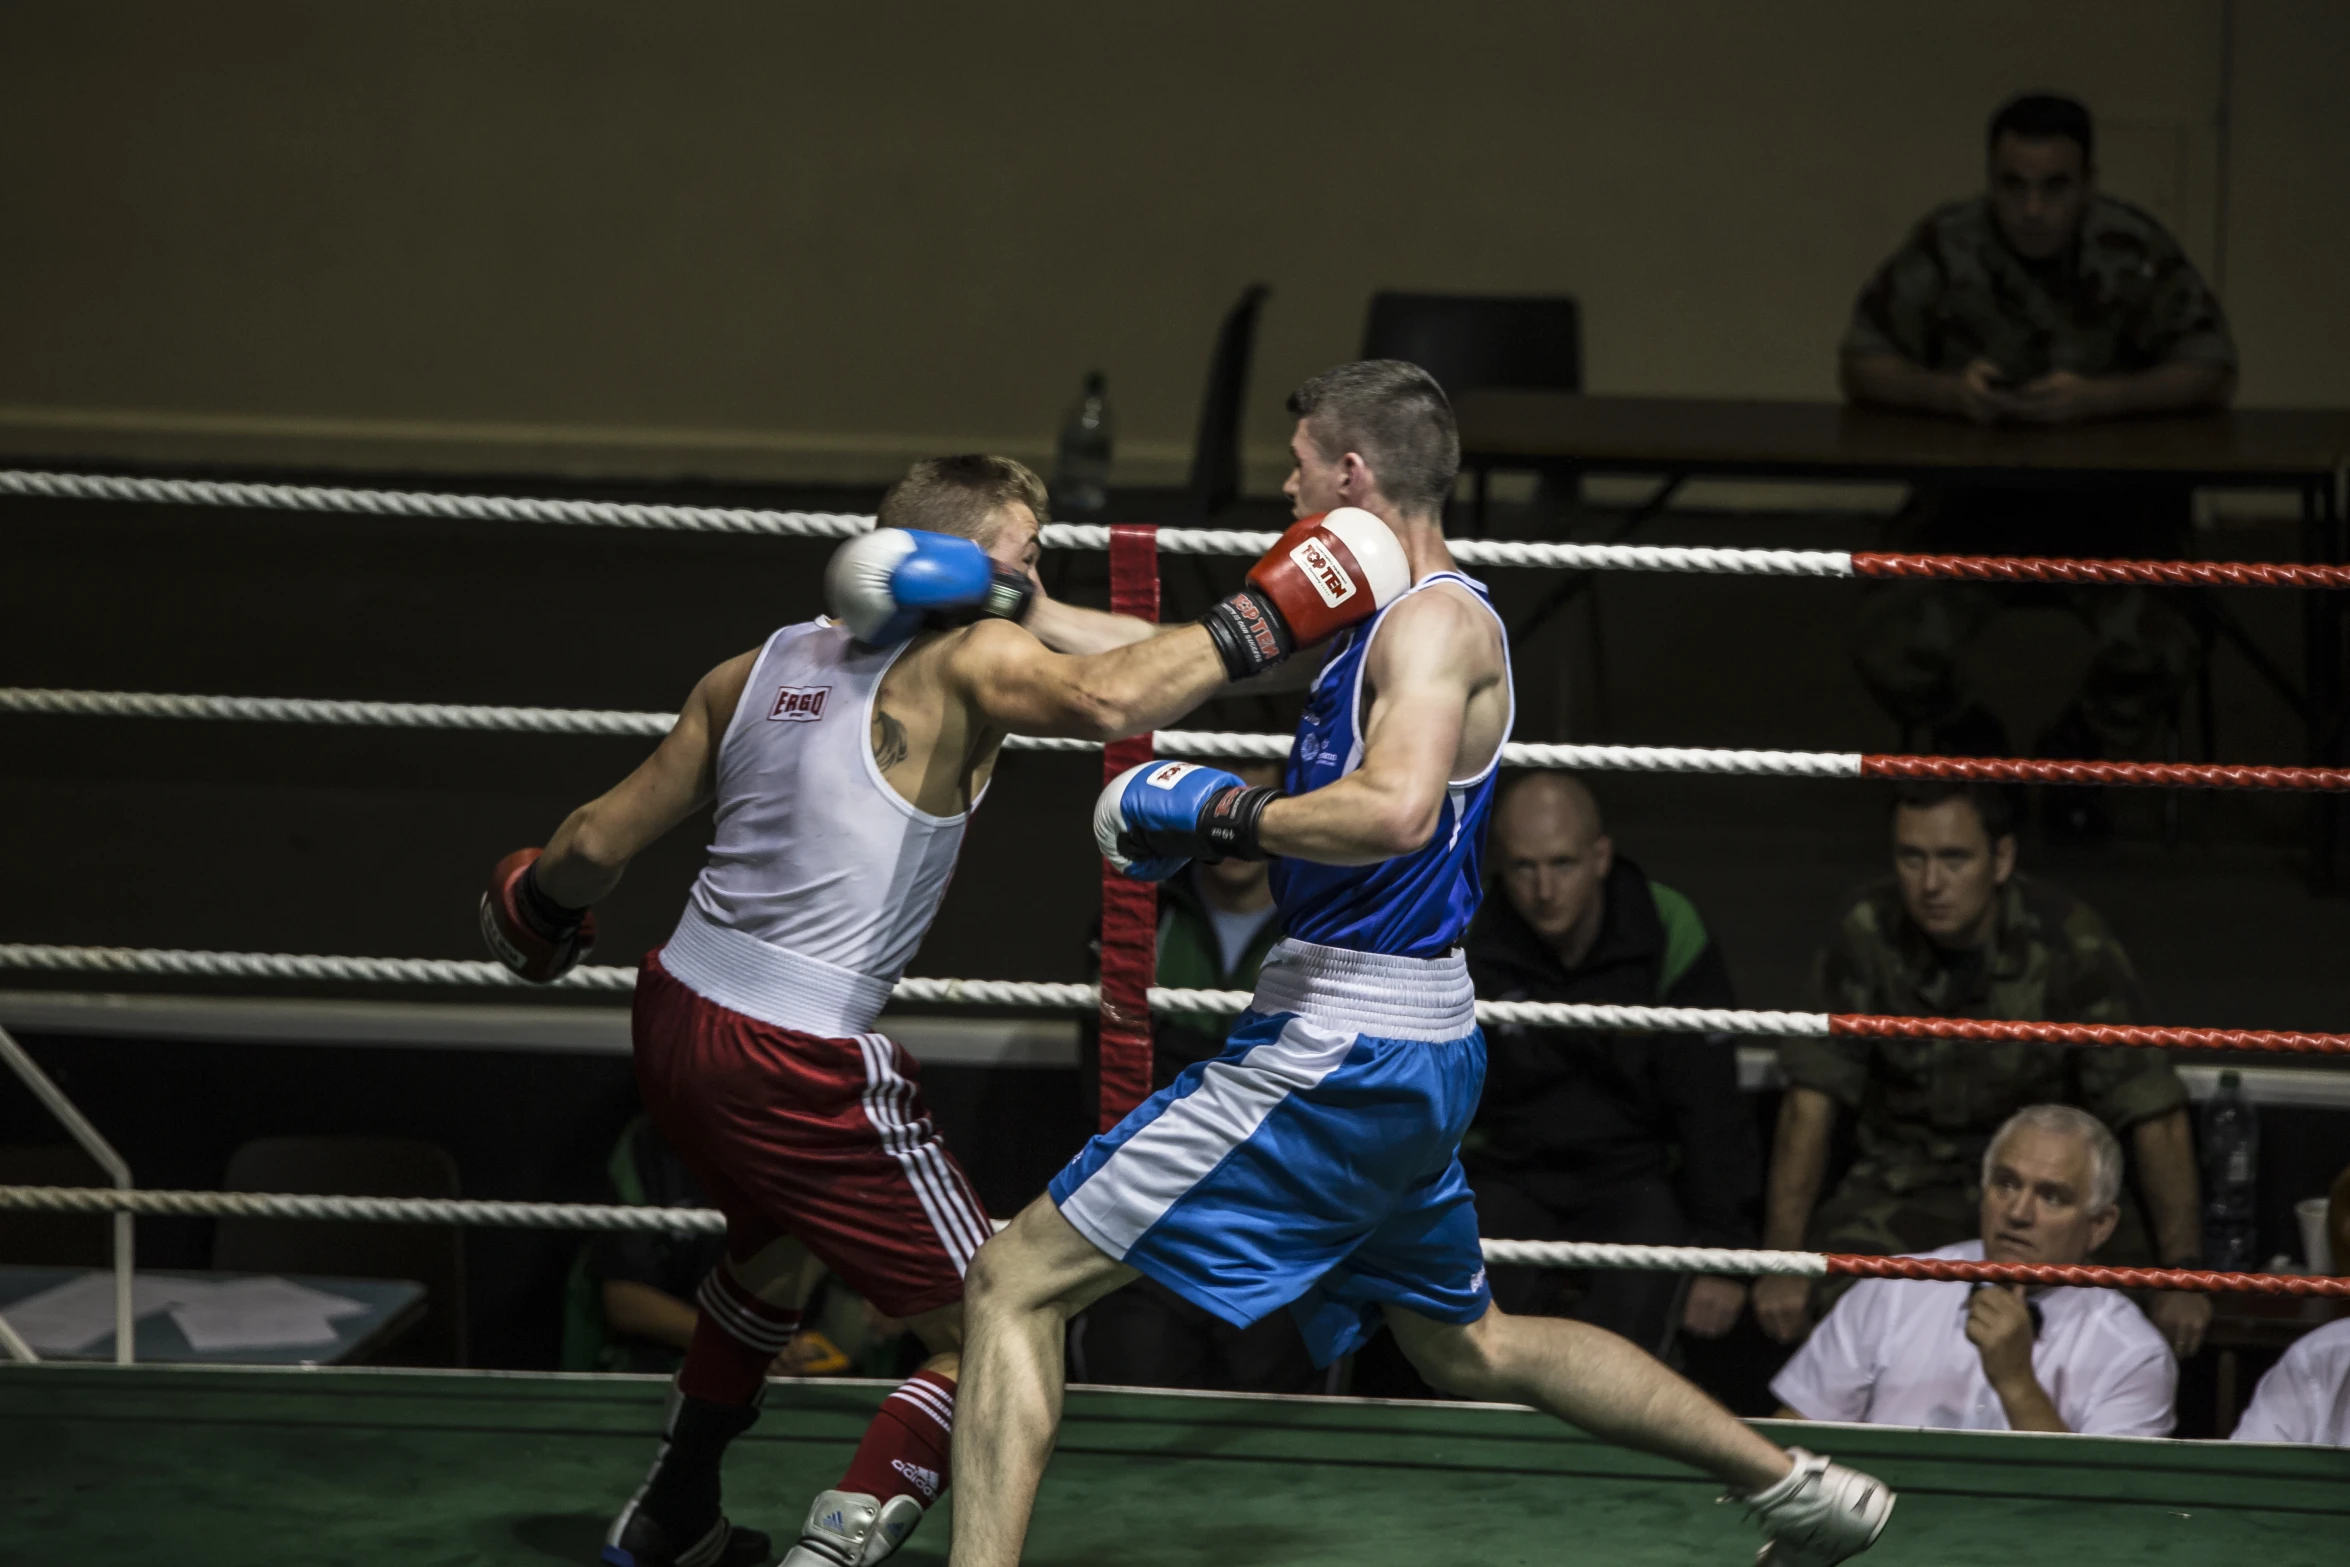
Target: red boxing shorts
[824,1140]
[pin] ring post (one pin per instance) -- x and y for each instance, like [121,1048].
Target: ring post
[1130,909]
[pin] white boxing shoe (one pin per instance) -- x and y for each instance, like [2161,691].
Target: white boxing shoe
[851,1529]
[1819,1514]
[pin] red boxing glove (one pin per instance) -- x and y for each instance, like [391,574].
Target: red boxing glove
[528,931]
[1325,574]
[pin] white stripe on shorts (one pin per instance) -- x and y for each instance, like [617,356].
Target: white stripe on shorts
[960,1226]
[1153,1169]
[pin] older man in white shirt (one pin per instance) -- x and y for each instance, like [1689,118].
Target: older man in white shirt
[1968,1357]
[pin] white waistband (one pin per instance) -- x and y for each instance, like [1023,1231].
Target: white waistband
[760,980]
[1369,992]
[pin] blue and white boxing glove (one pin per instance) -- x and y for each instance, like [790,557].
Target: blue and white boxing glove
[1152,818]
[888,584]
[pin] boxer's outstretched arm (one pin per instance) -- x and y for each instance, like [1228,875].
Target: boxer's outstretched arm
[585,858]
[1020,686]
[1071,628]
[1434,652]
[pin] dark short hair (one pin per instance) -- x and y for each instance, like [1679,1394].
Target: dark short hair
[2037,116]
[1394,415]
[958,494]
[1994,805]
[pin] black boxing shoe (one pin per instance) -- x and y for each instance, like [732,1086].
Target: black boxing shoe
[637,1540]
[674,1519]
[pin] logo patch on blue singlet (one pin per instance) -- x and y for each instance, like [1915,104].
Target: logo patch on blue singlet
[798,704]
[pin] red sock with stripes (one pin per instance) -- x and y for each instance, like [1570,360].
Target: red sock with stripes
[906,1448]
[736,1339]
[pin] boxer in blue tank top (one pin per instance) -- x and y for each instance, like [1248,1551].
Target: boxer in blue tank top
[1313,1164]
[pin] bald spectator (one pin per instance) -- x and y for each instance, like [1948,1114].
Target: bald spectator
[2306,1395]
[1990,1357]
[1598,1136]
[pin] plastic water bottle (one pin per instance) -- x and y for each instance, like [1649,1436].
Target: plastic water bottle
[1081,475]
[2231,1162]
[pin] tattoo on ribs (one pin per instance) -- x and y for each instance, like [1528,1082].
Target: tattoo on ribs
[889,741]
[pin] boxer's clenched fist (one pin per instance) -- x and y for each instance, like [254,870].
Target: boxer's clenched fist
[1325,574]
[526,930]
[1152,818]
[887,584]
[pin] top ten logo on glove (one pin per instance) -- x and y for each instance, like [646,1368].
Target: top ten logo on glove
[1321,568]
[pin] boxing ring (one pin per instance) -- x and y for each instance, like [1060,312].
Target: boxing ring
[111,1463]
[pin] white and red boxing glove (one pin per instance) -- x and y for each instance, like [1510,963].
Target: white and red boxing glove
[526,930]
[1325,574]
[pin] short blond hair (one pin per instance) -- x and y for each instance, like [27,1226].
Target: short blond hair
[959,495]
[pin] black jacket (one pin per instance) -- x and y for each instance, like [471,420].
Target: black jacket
[1569,1116]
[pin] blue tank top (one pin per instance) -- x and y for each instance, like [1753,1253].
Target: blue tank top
[1417,905]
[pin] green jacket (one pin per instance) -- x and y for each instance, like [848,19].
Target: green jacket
[2125,299]
[1926,1108]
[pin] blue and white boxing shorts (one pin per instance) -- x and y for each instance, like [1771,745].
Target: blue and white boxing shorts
[1312,1164]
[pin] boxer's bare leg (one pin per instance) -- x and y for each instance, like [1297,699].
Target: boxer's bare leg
[1590,1378]
[1022,1289]
[781,1273]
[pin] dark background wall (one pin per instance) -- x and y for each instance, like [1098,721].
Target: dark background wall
[808,243]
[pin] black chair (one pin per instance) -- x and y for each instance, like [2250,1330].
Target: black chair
[432,1255]
[1215,456]
[1471,342]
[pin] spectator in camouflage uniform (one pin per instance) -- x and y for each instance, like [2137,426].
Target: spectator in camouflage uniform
[1958,933]
[2044,302]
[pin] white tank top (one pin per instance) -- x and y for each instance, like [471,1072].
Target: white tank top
[822,878]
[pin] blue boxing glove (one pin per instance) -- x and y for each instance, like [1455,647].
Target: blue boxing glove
[888,584]
[1154,817]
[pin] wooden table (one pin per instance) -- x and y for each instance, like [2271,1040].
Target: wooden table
[2305,451]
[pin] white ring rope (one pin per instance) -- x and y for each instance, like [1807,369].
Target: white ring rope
[596,721]
[836,525]
[709,1221]
[309,710]
[169,964]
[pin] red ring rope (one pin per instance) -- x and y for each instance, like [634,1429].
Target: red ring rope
[2165,573]
[2126,1035]
[2083,1274]
[2169,775]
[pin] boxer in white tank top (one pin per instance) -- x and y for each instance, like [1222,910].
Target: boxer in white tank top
[843,776]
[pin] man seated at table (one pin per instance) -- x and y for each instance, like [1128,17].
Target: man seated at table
[1958,932]
[1990,1357]
[1640,1138]
[2306,1395]
[2042,301]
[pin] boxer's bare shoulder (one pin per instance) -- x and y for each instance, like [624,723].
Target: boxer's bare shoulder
[1438,665]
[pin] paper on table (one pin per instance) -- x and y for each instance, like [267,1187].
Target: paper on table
[75,1315]
[264,1313]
